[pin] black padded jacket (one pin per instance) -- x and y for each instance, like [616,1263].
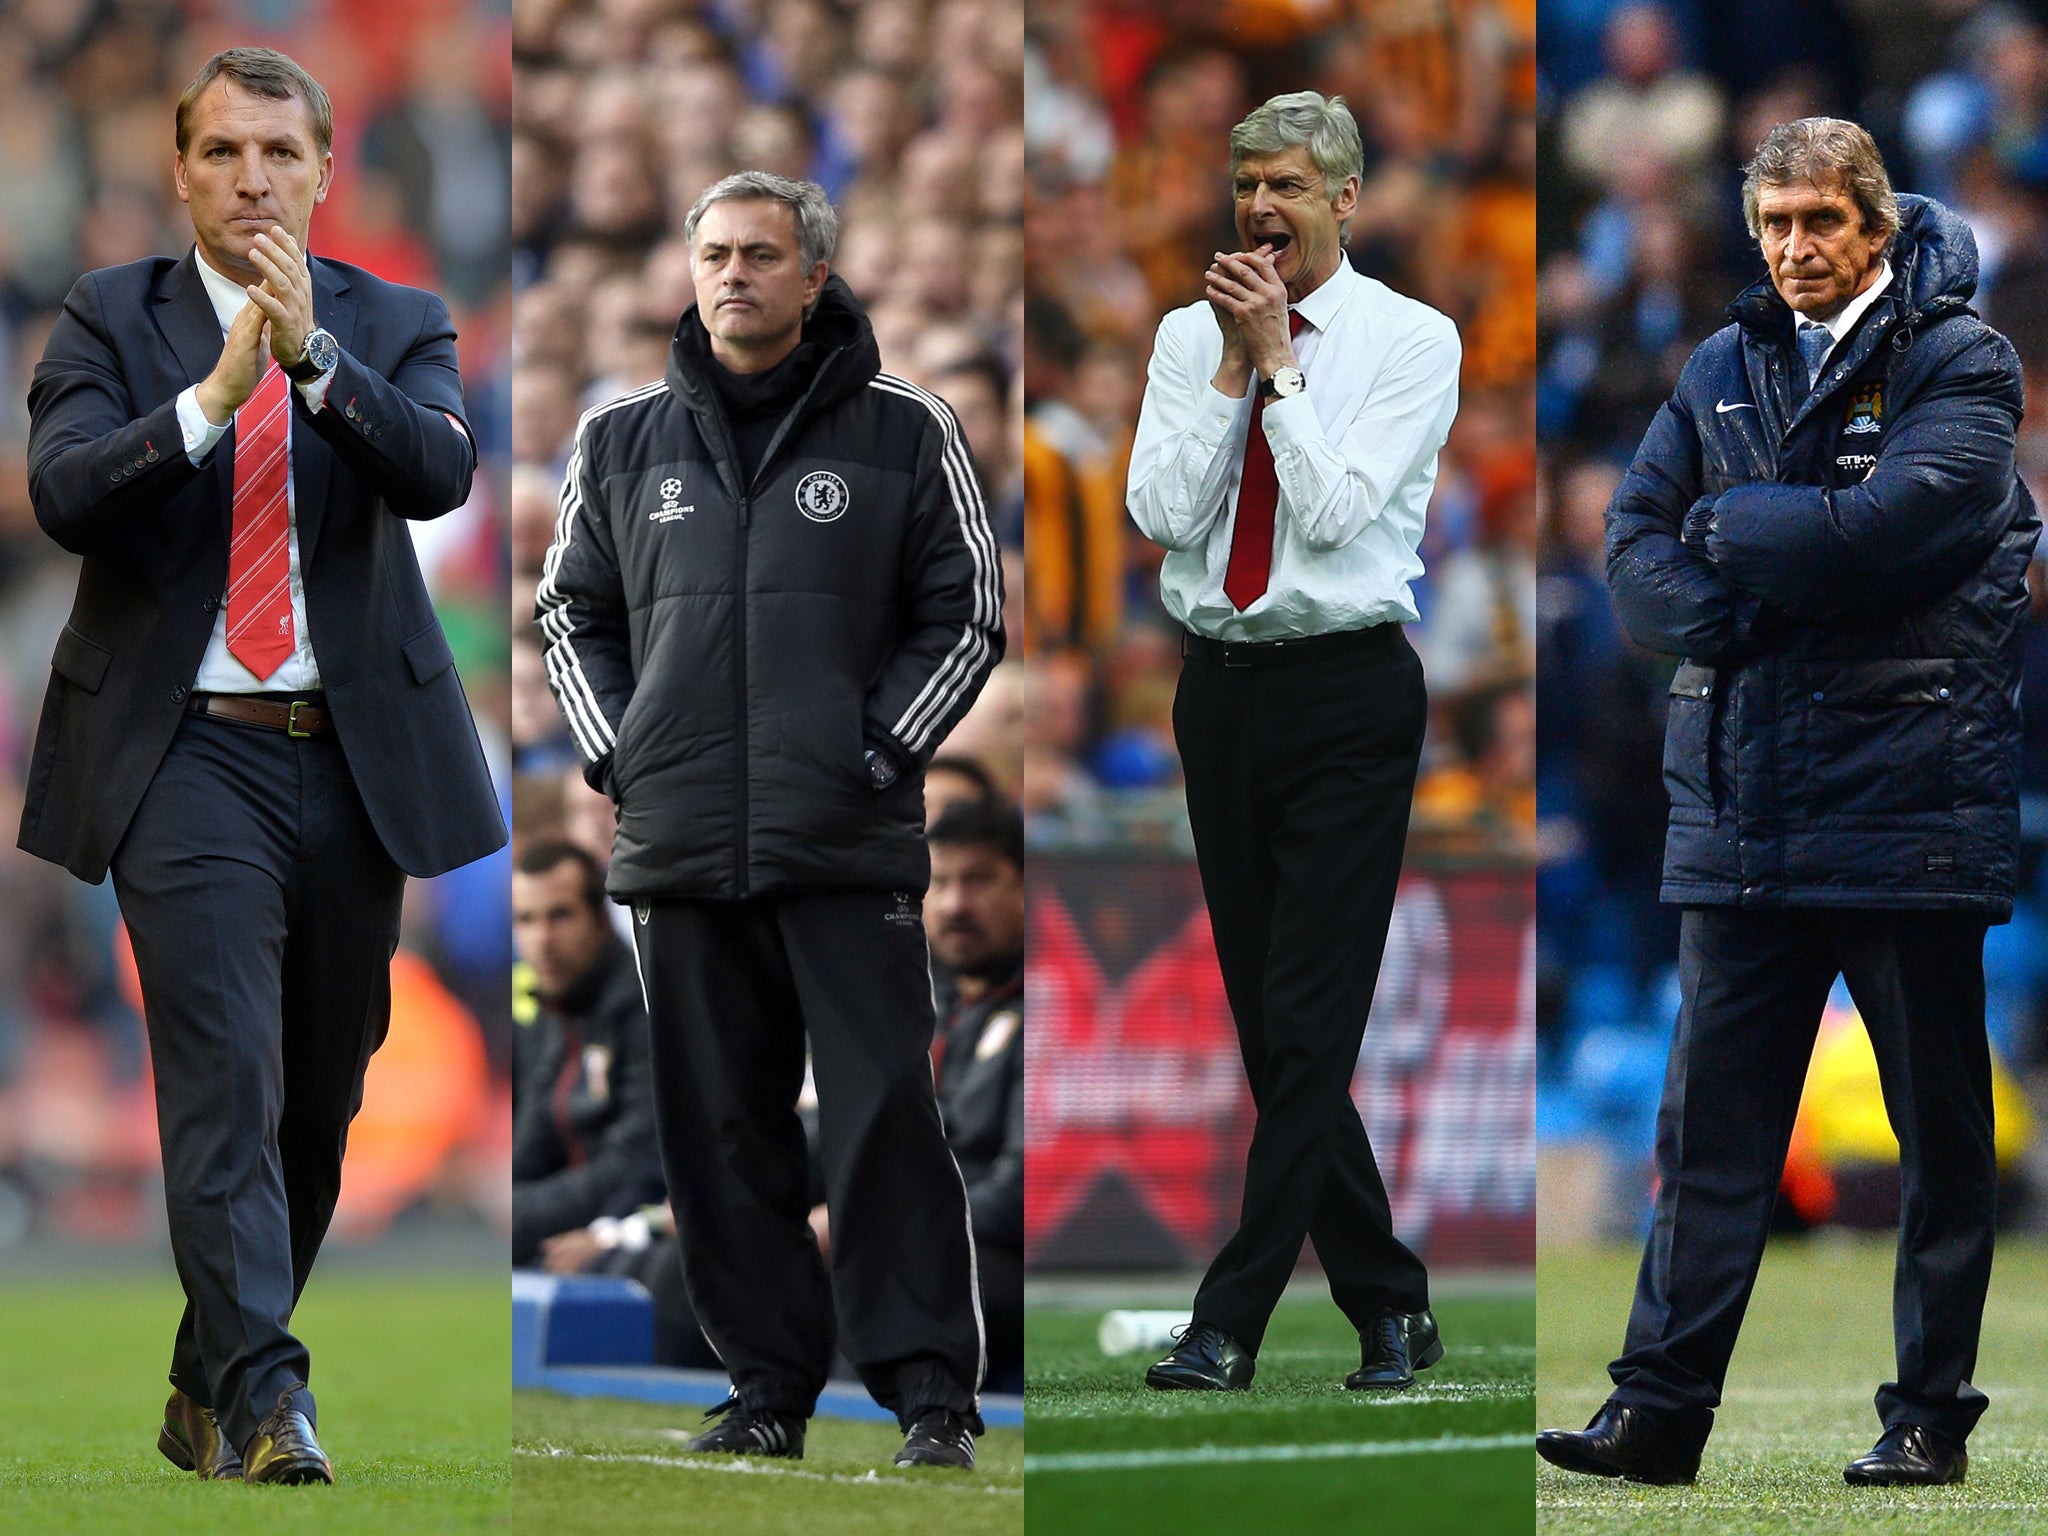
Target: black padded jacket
[1844,571]
[727,651]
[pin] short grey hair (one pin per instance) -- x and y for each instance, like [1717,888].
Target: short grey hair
[817,225]
[1323,123]
[1818,150]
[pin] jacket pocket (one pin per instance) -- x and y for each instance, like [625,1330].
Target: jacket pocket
[1878,737]
[427,654]
[80,660]
[1689,739]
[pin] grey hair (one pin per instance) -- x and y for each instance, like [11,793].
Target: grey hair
[1817,150]
[817,225]
[1323,123]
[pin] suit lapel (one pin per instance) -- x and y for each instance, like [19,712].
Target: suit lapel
[312,459]
[184,315]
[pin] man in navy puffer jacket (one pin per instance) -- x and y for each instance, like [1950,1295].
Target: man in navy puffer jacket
[1826,523]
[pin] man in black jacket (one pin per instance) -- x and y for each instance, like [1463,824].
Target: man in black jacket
[1826,522]
[974,918]
[583,1140]
[773,590]
[253,717]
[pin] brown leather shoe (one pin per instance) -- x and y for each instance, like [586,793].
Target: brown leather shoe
[190,1440]
[283,1450]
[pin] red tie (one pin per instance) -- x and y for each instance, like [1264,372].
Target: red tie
[259,558]
[1258,494]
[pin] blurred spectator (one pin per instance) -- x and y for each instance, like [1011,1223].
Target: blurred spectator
[583,1137]
[421,108]
[1128,112]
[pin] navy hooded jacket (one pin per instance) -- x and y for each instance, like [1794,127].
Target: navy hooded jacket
[1844,571]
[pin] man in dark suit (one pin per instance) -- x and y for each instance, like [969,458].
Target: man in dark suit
[254,719]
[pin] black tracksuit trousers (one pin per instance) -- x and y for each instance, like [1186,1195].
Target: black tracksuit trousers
[1299,778]
[1751,989]
[733,988]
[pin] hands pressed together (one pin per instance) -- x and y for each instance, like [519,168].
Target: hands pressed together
[1249,300]
[274,323]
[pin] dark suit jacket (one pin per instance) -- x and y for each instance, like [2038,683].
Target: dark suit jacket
[110,481]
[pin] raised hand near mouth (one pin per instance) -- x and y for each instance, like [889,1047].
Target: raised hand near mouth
[1245,286]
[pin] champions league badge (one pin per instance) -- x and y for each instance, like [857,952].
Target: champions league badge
[1866,411]
[822,496]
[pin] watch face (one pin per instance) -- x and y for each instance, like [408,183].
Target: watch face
[322,351]
[1289,381]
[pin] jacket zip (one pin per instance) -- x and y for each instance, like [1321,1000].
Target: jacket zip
[729,466]
[739,703]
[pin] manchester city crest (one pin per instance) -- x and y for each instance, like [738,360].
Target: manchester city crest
[821,496]
[1866,411]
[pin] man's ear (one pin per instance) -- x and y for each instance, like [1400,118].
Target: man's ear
[178,176]
[815,283]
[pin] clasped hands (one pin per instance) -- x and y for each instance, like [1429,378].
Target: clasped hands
[1250,304]
[277,320]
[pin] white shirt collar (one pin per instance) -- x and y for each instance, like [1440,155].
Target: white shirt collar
[1846,317]
[1320,307]
[227,295]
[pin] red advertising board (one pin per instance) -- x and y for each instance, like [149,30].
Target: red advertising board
[1136,1112]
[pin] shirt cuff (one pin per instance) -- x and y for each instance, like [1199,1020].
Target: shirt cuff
[199,433]
[1220,410]
[1291,422]
[315,393]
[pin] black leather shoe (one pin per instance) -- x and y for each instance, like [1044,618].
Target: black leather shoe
[1393,1349]
[283,1450]
[743,1431]
[1205,1360]
[191,1440]
[1908,1453]
[938,1438]
[1627,1443]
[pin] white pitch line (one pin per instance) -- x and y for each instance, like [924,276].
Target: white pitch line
[1227,1455]
[746,1467]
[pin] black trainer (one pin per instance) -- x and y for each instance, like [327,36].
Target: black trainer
[746,1431]
[938,1437]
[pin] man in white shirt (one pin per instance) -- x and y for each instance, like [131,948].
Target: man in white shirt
[1284,457]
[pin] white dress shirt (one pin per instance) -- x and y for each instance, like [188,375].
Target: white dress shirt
[219,670]
[1355,455]
[1846,317]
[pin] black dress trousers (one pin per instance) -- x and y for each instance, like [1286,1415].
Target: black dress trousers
[1299,777]
[263,911]
[1752,987]
[733,989]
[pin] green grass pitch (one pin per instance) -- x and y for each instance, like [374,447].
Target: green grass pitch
[1297,1452]
[607,1468]
[1816,1343]
[410,1371]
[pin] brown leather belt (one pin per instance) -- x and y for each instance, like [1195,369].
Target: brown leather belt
[295,717]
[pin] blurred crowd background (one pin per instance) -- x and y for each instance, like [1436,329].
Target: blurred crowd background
[88,91]
[1648,112]
[1128,111]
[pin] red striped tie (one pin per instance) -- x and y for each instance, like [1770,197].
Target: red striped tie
[1258,494]
[260,633]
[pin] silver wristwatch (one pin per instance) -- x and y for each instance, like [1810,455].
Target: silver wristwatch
[1285,383]
[321,353]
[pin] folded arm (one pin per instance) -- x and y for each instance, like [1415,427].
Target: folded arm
[1930,512]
